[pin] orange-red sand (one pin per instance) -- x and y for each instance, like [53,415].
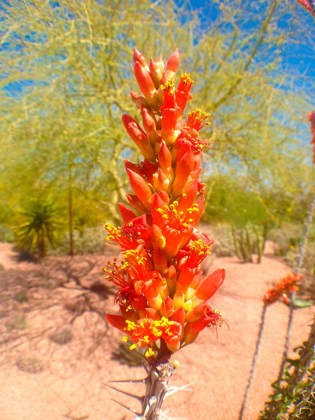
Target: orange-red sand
[71,384]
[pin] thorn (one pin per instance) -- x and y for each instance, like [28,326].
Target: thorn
[146,368]
[127,408]
[125,381]
[126,393]
[174,389]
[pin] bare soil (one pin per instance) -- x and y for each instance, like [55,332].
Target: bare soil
[45,379]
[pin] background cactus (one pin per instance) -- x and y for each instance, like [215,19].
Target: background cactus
[249,241]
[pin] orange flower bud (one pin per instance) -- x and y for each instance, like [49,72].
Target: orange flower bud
[144,80]
[138,57]
[171,278]
[153,314]
[165,161]
[171,66]
[155,302]
[188,198]
[160,261]
[210,285]
[196,312]
[158,240]
[139,137]
[156,70]
[190,335]
[161,182]
[179,299]
[179,316]
[173,343]
[167,308]
[126,214]
[138,99]
[140,188]
[135,202]
[149,124]
[173,61]
[183,169]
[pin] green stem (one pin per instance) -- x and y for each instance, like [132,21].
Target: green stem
[292,295]
[251,376]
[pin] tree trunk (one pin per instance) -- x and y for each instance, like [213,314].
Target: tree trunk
[71,251]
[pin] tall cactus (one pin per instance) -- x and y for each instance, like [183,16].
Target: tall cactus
[162,298]
[249,241]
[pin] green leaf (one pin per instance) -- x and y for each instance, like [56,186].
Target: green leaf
[302,303]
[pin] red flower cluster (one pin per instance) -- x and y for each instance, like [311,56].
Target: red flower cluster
[311,119]
[162,296]
[282,289]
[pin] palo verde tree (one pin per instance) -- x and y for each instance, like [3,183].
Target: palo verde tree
[64,77]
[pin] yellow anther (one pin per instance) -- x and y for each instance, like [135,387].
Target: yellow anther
[185,78]
[169,86]
[149,353]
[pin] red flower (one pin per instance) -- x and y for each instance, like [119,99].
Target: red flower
[210,318]
[161,293]
[311,119]
[282,289]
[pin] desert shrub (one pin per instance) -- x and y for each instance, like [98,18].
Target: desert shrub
[38,227]
[308,262]
[6,234]
[18,322]
[30,362]
[21,296]
[223,241]
[293,396]
[88,241]
[51,284]
[286,238]
[127,357]
[62,335]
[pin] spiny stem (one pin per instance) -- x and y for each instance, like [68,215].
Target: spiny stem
[258,342]
[157,387]
[292,295]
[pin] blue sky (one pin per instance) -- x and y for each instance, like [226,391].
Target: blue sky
[296,59]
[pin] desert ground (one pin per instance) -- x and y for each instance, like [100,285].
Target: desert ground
[56,349]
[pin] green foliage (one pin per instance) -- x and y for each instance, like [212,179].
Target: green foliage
[308,262]
[127,357]
[6,234]
[223,245]
[288,240]
[29,362]
[18,322]
[294,397]
[39,225]
[21,296]
[286,237]
[250,240]
[62,335]
[88,241]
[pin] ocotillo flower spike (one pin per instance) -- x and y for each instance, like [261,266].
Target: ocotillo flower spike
[311,119]
[162,298]
[283,289]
